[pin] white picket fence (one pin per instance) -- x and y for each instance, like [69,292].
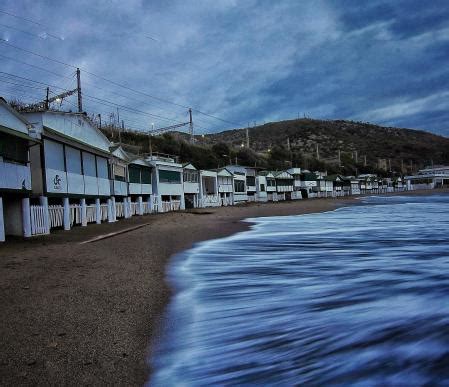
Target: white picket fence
[210,201]
[104,212]
[173,205]
[56,216]
[119,210]
[155,203]
[38,216]
[75,214]
[91,214]
[134,208]
[226,201]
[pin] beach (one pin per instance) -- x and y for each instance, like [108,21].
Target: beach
[86,313]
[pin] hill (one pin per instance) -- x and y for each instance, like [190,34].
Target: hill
[338,146]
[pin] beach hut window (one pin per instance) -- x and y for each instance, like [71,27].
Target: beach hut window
[239,186]
[54,155]
[102,167]
[13,148]
[146,175]
[73,160]
[262,188]
[134,174]
[251,180]
[119,172]
[89,165]
[169,176]
[190,177]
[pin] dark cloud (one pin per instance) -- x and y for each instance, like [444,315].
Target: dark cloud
[377,61]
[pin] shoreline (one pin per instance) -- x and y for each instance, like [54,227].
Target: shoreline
[88,313]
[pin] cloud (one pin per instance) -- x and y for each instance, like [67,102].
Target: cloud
[243,61]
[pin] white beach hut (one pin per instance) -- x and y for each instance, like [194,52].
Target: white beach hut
[284,185]
[239,176]
[251,186]
[225,187]
[167,179]
[69,169]
[191,186]
[261,188]
[209,196]
[296,173]
[15,173]
[270,185]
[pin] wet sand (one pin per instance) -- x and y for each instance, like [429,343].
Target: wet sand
[75,313]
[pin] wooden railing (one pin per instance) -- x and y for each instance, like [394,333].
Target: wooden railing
[38,216]
[119,210]
[91,214]
[75,214]
[56,216]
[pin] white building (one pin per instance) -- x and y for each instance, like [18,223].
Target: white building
[209,196]
[309,184]
[239,192]
[261,188]
[296,173]
[191,184]
[284,185]
[140,186]
[428,178]
[325,186]
[251,183]
[119,182]
[69,170]
[167,183]
[225,187]
[270,185]
[15,174]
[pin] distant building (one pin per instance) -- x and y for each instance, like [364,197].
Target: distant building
[429,178]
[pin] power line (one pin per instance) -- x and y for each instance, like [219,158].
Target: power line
[121,85]
[22,31]
[31,21]
[100,100]
[34,53]
[37,67]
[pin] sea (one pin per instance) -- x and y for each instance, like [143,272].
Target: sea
[355,296]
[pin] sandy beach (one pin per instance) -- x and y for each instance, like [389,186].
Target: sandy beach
[85,313]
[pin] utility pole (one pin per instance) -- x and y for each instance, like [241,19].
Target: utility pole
[192,139]
[150,145]
[99,117]
[47,103]
[117,123]
[78,83]
[247,138]
[119,133]
[364,164]
[317,152]
[339,158]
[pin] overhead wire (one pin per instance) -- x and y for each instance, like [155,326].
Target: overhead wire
[31,21]
[121,85]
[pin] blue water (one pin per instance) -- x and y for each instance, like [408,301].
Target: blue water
[355,296]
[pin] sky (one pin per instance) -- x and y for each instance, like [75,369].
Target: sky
[239,62]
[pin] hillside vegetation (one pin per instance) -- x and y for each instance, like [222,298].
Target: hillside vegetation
[337,146]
